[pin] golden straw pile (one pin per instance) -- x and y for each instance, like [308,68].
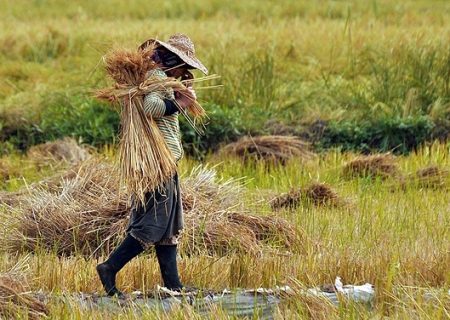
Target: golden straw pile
[81,211]
[84,211]
[384,166]
[430,177]
[377,165]
[217,221]
[16,301]
[145,160]
[67,150]
[275,149]
[318,194]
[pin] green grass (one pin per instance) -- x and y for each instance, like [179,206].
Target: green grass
[295,61]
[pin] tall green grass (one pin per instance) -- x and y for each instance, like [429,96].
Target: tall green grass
[295,61]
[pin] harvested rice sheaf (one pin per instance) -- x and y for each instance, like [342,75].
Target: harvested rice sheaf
[16,299]
[85,211]
[216,219]
[66,149]
[82,211]
[378,165]
[145,159]
[322,194]
[289,200]
[431,177]
[316,193]
[275,149]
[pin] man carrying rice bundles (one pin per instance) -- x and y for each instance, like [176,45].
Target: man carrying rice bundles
[156,215]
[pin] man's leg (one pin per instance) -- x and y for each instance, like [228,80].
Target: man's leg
[127,250]
[167,259]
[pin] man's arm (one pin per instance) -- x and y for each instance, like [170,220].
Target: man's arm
[158,107]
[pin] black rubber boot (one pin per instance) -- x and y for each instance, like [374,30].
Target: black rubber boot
[167,259]
[127,250]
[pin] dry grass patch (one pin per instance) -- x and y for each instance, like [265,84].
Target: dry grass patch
[217,219]
[431,177]
[16,299]
[84,211]
[378,165]
[66,149]
[273,149]
[318,194]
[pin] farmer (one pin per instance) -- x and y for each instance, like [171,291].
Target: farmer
[160,221]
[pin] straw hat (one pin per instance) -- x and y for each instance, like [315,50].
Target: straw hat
[183,47]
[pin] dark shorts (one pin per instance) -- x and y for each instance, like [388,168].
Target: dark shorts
[160,221]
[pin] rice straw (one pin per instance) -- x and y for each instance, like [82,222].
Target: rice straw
[145,159]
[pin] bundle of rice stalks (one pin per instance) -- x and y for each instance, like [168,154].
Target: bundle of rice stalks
[322,194]
[268,228]
[10,198]
[16,299]
[218,236]
[317,194]
[203,192]
[378,165]
[289,200]
[66,149]
[275,149]
[129,69]
[216,220]
[431,177]
[145,160]
[84,211]
[238,232]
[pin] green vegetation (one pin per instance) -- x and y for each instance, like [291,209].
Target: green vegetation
[380,62]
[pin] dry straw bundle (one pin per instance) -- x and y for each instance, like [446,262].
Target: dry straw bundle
[276,149]
[431,177]
[84,211]
[81,211]
[145,160]
[378,165]
[16,299]
[318,194]
[66,149]
[218,222]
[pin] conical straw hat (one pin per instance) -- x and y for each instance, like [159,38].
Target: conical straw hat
[183,47]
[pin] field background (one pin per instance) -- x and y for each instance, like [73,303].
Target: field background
[358,75]
[348,76]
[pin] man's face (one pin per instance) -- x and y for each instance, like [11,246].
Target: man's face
[176,72]
[180,72]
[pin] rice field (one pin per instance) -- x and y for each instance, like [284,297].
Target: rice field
[262,211]
[392,232]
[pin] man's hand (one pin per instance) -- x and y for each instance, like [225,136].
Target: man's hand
[185,97]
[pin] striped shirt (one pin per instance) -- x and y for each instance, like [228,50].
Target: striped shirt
[168,125]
